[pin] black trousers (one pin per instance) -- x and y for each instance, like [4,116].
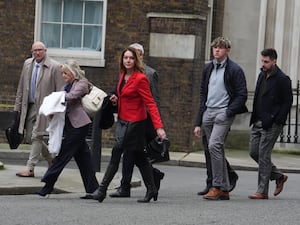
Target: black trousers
[74,145]
[129,142]
[128,159]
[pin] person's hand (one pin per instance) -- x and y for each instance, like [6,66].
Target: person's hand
[114,99]
[161,133]
[50,117]
[197,132]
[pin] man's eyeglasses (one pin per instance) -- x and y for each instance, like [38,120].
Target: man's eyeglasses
[38,50]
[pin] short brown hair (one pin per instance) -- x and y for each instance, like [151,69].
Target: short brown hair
[271,52]
[221,42]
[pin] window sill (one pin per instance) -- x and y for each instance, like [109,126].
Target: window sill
[84,58]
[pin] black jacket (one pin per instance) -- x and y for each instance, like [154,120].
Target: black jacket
[277,99]
[235,84]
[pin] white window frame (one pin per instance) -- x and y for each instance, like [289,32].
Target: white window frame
[83,57]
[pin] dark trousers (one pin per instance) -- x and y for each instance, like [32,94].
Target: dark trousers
[139,158]
[230,170]
[129,143]
[261,145]
[128,160]
[74,145]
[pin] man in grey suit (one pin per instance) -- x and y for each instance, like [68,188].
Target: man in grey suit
[40,76]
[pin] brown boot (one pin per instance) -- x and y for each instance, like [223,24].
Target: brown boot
[216,194]
[279,184]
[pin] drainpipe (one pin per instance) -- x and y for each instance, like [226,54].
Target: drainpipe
[261,33]
[209,30]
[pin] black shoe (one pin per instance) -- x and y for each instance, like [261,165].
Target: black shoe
[90,195]
[100,193]
[148,197]
[87,196]
[45,191]
[233,177]
[204,191]
[121,193]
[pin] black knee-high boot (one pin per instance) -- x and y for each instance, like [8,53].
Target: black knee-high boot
[108,176]
[147,175]
[158,176]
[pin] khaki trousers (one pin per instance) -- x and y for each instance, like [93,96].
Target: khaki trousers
[38,146]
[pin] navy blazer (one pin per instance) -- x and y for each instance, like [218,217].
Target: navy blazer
[235,84]
[277,99]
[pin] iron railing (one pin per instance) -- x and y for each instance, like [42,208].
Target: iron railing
[290,131]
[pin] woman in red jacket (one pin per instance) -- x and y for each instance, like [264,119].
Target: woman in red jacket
[134,99]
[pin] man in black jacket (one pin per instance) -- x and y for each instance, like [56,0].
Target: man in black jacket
[223,95]
[272,102]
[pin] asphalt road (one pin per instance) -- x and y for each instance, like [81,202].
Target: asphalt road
[178,204]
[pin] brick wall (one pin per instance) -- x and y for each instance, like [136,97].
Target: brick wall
[126,23]
[16,31]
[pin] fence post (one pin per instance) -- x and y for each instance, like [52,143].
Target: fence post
[296,116]
[96,141]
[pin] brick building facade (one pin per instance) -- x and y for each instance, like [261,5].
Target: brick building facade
[126,22]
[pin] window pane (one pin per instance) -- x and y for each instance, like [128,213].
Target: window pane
[92,37]
[62,24]
[51,11]
[51,35]
[71,37]
[73,11]
[93,12]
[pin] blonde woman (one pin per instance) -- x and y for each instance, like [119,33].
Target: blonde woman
[75,131]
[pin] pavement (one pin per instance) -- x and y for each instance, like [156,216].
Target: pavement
[70,180]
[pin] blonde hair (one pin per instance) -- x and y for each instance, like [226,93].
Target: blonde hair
[74,68]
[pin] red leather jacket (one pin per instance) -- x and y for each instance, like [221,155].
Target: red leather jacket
[136,99]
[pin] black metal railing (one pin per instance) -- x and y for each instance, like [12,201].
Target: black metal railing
[290,131]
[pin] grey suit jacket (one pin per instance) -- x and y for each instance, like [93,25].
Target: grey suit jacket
[153,78]
[75,112]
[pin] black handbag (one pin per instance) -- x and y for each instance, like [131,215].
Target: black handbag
[13,137]
[158,151]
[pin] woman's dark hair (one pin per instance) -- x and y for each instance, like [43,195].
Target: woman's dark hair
[138,62]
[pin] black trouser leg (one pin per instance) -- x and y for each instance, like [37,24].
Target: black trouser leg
[83,159]
[127,170]
[207,162]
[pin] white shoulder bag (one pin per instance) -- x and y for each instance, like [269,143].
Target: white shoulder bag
[92,102]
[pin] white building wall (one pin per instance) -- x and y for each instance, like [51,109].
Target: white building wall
[241,23]
[258,24]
